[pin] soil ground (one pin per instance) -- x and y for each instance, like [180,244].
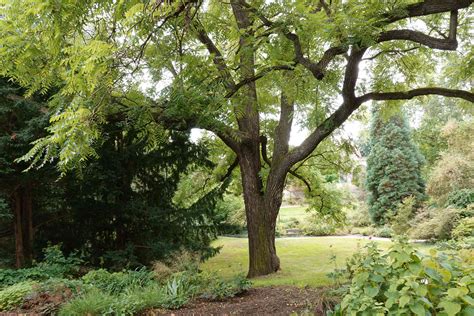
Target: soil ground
[273,300]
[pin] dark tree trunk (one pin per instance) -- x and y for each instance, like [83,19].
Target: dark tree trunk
[261,212]
[23,225]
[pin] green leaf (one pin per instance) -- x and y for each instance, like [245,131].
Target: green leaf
[453,293]
[371,291]
[469,300]
[450,308]
[404,300]
[421,290]
[468,311]
[418,309]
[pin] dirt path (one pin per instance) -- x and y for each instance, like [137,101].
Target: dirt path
[274,300]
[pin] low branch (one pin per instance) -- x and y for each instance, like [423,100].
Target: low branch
[300,177]
[230,169]
[410,94]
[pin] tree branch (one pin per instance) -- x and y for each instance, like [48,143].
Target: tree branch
[391,52]
[257,76]
[410,94]
[283,129]
[335,119]
[317,69]
[218,59]
[231,168]
[449,43]
[427,7]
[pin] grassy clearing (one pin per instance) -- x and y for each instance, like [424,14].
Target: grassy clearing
[304,260]
[289,212]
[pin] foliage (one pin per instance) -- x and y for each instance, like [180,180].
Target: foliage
[404,281]
[91,303]
[435,223]
[317,226]
[401,221]
[22,120]
[393,166]
[91,55]
[231,213]
[54,265]
[220,289]
[454,171]
[464,228]
[117,282]
[461,198]
[127,195]
[129,293]
[13,295]
[358,216]
[436,113]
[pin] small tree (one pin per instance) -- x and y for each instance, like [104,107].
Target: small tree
[393,166]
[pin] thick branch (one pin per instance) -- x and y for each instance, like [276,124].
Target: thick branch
[351,75]
[338,117]
[283,129]
[420,38]
[410,94]
[428,7]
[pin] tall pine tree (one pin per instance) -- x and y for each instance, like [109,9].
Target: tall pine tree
[393,166]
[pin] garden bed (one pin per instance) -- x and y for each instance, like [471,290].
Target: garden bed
[273,300]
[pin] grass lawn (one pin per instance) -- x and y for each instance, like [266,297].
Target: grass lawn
[288,212]
[304,260]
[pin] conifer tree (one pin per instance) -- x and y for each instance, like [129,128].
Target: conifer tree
[393,166]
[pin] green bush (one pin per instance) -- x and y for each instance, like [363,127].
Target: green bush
[54,265]
[461,198]
[359,216]
[94,302]
[219,289]
[465,228]
[177,292]
[365,231]
[12,296]
[435,223]
[406,282]
[117,282]
[384,231]
[316,226]
[130,301]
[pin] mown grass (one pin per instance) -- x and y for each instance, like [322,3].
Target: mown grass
[304,260]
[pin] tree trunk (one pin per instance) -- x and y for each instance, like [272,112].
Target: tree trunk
[261,216]
[23,225]
[19,253]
